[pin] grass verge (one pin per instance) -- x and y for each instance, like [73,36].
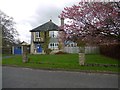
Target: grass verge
[64,62]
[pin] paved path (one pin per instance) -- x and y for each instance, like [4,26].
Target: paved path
[33,78]
[7,56]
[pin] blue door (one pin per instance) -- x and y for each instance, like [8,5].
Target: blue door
[17,50]
[39,48]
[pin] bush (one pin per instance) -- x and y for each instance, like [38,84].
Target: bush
[111,50]
[60,52]
[48,51]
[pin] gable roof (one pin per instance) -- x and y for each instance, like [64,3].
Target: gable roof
[68,42]
[24,43]
[49,26]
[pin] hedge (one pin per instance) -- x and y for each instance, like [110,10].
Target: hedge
[110,50]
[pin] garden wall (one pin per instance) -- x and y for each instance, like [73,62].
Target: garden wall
[110,50]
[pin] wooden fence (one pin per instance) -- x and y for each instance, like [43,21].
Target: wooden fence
[88,49]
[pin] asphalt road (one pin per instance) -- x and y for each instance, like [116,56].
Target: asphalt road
[33,78]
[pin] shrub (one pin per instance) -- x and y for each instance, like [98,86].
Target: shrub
[48,51]
[60,52]
[111,50]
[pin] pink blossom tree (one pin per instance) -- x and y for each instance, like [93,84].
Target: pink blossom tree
[94,22]
[91,23]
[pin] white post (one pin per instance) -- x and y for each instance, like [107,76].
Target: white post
[22,49]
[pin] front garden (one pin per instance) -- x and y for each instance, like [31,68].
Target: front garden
[94,62]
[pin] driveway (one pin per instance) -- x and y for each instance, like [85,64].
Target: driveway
[14,77]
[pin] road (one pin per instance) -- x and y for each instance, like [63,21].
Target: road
[14,77]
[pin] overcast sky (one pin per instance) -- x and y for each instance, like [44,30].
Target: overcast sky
[29,14]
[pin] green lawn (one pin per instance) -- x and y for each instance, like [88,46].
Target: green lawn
[66,62]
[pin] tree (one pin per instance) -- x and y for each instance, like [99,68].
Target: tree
[94,22]
[46,43]
[8,30]
[91,23]
[113,23]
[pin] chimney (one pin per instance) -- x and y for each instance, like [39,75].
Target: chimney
[50,20]
[62,21]
[61,33]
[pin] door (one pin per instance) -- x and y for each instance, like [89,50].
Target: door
[17,50]
[39,48]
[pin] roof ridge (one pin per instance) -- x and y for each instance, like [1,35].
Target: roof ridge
[48,26]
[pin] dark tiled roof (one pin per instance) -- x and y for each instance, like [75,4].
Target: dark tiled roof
[49,26]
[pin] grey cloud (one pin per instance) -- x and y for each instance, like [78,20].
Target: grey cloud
[46,12]
[43,15]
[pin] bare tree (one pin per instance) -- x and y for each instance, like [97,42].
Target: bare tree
[8,30]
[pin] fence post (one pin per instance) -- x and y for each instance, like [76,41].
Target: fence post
[81,58]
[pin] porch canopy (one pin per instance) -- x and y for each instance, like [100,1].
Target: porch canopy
[49,26]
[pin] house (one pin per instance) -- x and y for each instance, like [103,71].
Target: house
[41,34]
[70,43]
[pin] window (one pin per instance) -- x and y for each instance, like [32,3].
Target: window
[56,44]
[75,44]
[18,47]
[51,44]
[72,45]
[37,34]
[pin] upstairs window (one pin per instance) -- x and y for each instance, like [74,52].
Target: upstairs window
[37,34]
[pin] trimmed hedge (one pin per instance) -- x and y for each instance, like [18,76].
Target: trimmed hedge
[6,51]
[110,50]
